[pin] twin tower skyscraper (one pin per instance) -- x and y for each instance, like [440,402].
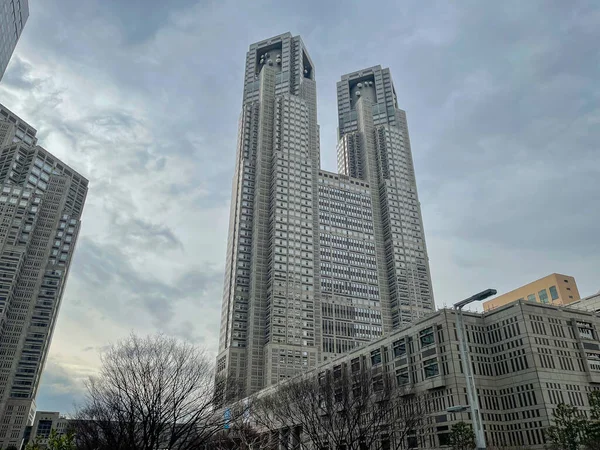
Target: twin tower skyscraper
[317,262]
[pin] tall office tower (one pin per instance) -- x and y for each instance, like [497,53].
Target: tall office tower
[41,201]
[374,146]
[13,15]
[317,262]
[268,322]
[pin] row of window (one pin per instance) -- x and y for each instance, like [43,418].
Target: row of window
[543,295]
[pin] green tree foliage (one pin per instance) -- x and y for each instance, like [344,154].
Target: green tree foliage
[591,439]
[55,442]
[61,441]
[462,437]
[569,429]
[33,446]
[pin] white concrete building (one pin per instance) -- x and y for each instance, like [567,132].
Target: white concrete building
[41,202]
[13,15]
[317,262]
[589,303]
[526,358]
[43,423]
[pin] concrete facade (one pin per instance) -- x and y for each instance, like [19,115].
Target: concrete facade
[590,303]
[554,289]
[317,262]
[13,15]
[41,202]
[527,358]
[43,423]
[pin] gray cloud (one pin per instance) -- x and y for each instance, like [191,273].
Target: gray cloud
[101,266]
[515,154]
[19,75]
[143,97]
[64,388]
[145,234]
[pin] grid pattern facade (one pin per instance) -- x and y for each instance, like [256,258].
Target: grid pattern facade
[374,146]
[13,15]
[527,358]
[350,297]
[41,202]
[43,424]
[317,262]
[269,314]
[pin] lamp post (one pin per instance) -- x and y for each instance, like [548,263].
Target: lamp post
[468,367]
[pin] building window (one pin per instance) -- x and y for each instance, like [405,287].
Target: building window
[43,429]
[376,357]
[543,296]
[426,337]
[430,367]
[531,298]
[444,438]
[586,330]
[399,348]
[553,293]
[337,372]
[402,376]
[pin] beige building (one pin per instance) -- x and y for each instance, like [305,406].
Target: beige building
[527,358]
[317,262]
[554,289]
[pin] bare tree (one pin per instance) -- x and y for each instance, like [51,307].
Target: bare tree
[240,436]
[363,410]
[152,393]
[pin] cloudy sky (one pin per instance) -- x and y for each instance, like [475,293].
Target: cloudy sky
[143,97]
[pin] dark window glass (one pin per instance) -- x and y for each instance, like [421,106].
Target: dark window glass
[402,377]
[44,427]
[427,337]
[375,357]
[399,348]
[444,438]
[431,368]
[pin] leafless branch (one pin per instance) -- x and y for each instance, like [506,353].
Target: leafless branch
[154,392]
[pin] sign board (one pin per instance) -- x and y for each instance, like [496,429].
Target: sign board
[246,411]
[227,417]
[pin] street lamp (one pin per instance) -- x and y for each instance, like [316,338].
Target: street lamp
[468,368]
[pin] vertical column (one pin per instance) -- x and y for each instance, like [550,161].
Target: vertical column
[260,233]
[366,140]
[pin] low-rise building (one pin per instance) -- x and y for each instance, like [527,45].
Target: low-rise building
[590,303]
[555,289]
[43,423]
[527,358]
